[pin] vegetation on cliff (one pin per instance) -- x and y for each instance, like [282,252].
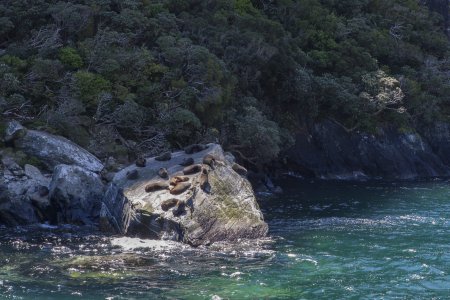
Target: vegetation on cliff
[140,76]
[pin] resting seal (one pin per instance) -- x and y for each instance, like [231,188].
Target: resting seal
[177,179]
[163,173]
[168,204]
[204,182]
[156,186]
[209,160]
[191,149]
[192,169]
[164,157]
[187,162]
[132,175]
[240,169]
[180,188]
[141,162]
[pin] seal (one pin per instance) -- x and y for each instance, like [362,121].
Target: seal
[176,179]
[141,162]
[180,188]
[204,183]
[169,203]
[192,169]
[209,160]
[164,157]
[194,148]
[156,186]
[239,169]
[132,175]
[187,162]
[163,173]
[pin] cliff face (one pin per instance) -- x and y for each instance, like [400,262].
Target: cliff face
[328,151]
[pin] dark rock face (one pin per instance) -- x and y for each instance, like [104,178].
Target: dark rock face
[328,151]
[438,137]
[20,194]
[76,195]
[227,211]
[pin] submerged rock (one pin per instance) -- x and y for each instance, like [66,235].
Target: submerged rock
[226,212]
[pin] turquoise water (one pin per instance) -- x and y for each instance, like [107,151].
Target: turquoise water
[327,241]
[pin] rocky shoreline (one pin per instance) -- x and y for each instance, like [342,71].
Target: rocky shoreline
[202,196]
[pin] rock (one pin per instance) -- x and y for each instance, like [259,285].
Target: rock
[229,157]
[34,173]
[76,194]
[14,130]
[109,176]
[328,151]
[164,157]
[17,193]
[12,166]
[227,212]
[55,150]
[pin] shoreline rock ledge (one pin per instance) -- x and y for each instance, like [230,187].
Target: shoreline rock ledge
[200,204]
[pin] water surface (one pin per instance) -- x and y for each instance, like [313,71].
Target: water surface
[328,240]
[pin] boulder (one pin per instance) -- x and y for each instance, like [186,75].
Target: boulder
[14,130]
[226,211]
[17,190]
[54,150]
[76,195]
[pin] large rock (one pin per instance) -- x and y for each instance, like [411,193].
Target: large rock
[225,210]
[55,150]
[76,195]
[14,130]
[328,151]
[19,190]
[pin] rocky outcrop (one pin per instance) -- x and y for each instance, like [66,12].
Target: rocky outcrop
[197,196]
[328,151]
[50,149]
[21,200]
[218,203]
[76,195]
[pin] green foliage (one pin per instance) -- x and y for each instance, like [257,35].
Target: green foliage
[252,72]
[183,127]
[89,86]
[70,57]
[259,137]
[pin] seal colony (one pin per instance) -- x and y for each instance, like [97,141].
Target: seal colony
[193,195]
[177,184]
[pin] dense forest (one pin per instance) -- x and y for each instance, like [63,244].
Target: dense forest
[134,77]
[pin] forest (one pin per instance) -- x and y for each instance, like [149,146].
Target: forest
[137,77]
